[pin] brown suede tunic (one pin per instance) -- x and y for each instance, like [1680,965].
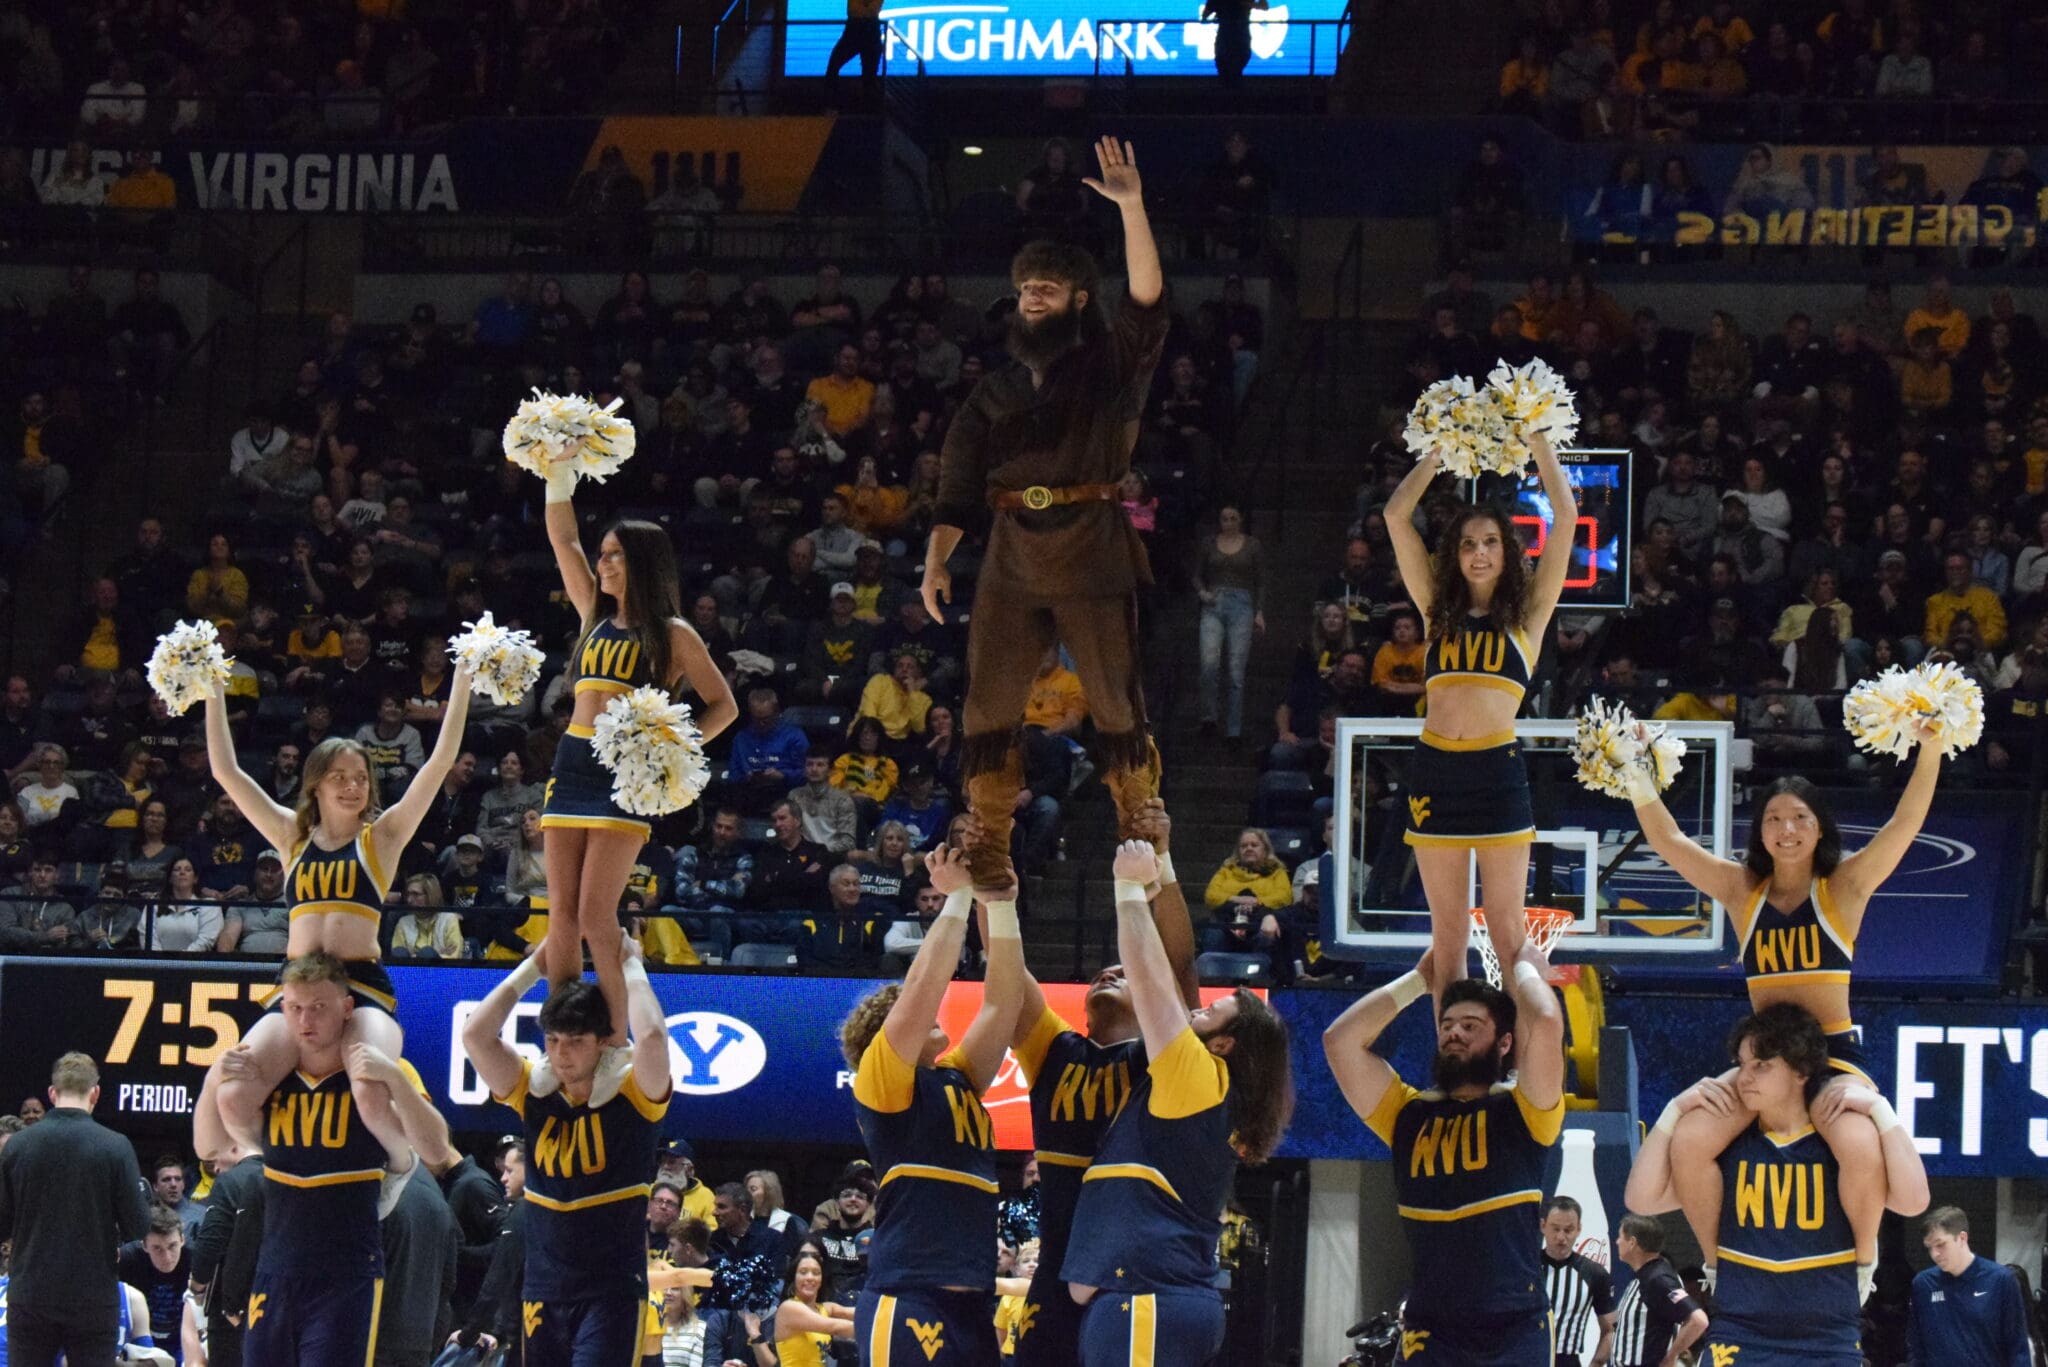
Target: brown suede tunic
[1077,428]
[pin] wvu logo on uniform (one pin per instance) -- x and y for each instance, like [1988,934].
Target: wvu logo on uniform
[1418,809]
[325,882]
[928,1336]
[1412,1342]
[1724,1354]
[567,1147]
[529,1313]
[1027,1321]
[255,1309]
[304,1120]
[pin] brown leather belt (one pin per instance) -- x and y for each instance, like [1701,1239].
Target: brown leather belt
[1038,497]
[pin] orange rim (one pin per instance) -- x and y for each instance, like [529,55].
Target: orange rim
[1552,919]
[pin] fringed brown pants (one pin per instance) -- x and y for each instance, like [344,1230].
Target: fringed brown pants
[1006,639]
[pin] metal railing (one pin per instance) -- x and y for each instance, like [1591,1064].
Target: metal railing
[1859,119]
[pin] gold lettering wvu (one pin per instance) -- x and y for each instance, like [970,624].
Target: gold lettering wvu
[303,1120]
[1418,809]
[610,659]
[1413,1341]
[325,882]
[570,1146]
[1481,652]
[1724,1353]
[1449,1144]
[928,1336]
[971,1125]
[1084,1093]
[529,1314]
[1769,1194]
[1787,949]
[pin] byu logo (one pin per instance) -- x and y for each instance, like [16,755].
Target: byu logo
[710,1053]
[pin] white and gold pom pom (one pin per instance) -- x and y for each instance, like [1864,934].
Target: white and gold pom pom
[1535,398]
[1611,742]
[1885,714]
[505,663]
[654,750]
[187,665]
[1464,429]
[551,428]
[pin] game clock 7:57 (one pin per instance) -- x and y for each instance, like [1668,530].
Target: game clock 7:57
[191,1018]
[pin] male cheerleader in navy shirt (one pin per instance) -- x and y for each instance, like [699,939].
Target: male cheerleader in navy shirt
[1787,1291]
[332,1171]
[1468,1157]
[593,1118]
[930,1293]
[1079,1083]
[1966,1309]
[1216,1088]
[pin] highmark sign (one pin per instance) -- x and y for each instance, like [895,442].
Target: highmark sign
[1058,37]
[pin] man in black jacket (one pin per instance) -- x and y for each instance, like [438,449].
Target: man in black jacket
[421,1244]
[224,1255]
[71,1193]
[480,1209]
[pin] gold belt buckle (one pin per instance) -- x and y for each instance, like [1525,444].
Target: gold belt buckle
[1038,498]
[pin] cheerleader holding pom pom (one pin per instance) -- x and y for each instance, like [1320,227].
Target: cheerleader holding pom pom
[633,643]
[339,852]
[1468,789]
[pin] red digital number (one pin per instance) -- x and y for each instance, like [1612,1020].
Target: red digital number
[1589,525]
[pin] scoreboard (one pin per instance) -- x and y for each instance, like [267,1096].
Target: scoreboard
[1601,539]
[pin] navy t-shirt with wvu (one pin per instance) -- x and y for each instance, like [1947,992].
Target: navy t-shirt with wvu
[324,1168]
[935,1148]
[1077,1089]
[1151,1204]
[1788,1256]
[1468,1177]
[588,1172]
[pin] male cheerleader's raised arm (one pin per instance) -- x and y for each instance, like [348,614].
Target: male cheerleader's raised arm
[495,1061]
[276,824]
[210,1137]
[1155,993]
[401,821]
[578,582]
[916,1011]
[1862,873]
[1120,185]
[713,689]
[1539,1030]
[426,1132]
[1905,1175]
[1362,1075]
[1409,553]
[1554,565]
[649,1027]
[1170,904]
[1009,990]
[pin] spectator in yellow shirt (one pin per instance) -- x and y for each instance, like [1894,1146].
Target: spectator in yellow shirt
[1958,595]
[864,770]
[847,395]
[1927,382]
[897,699]
[1397,667]
[1724,23]
[142,186]
[1525,80]
[1252,881]
[1056,704]
[1939,311]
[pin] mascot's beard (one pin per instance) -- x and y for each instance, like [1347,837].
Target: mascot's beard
[1481,1070]
[1039,344]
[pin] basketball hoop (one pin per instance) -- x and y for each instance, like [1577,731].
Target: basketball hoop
[1547,925]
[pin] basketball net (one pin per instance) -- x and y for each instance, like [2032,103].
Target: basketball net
[1546,926]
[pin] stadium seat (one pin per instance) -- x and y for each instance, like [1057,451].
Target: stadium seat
[1291,844]
[817,719]
[1284,797]
[1217,966]
[762,956]
[757,830]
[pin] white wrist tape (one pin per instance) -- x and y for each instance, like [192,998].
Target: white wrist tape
[1527,975]
[1407,988]
[1668,1122]
[634,970]
[1002,921]
[561,481]
[1128,891]
[958,904]
[1883,1116]
[527,974]
[1166,873]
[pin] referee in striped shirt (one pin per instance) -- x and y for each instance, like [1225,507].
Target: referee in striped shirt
[1659,1320]
[1578,1287]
